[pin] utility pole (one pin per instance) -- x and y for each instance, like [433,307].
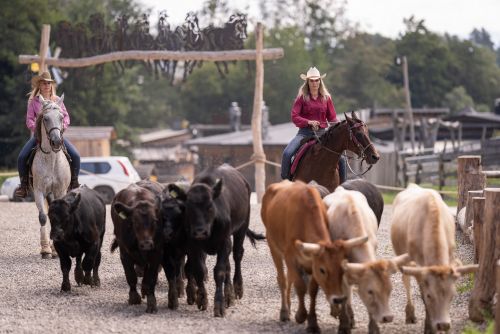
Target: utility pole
[409,111]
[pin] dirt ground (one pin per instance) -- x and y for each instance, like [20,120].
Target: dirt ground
[31,301]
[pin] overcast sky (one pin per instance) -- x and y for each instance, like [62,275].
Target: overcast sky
[457,17]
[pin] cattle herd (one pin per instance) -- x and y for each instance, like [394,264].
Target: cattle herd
[316,240]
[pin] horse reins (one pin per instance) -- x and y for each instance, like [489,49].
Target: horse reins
[352,137]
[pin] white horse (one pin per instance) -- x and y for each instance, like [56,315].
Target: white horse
[51,171]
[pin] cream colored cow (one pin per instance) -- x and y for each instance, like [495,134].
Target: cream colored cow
[350,216]
[423,227]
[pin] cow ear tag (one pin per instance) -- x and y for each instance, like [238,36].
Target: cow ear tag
[122,215]
[174,193]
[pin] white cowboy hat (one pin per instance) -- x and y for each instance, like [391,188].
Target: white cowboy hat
[45,76]
[312,73]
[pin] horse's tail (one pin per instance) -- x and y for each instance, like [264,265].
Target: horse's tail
[254,237]
[114,245]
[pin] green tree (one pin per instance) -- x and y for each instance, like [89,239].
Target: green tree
[457,100]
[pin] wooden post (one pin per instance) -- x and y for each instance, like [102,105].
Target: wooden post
[497,311]
[469,211]
[478,218]
[258,150]
[469,177]
[484,283]
[44,47]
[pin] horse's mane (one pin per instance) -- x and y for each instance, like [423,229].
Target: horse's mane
[325,135]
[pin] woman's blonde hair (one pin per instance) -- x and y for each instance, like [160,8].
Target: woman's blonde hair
[36,90]
[306,94]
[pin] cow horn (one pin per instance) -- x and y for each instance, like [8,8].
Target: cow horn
[401,259]
[353,242]
[308,247]
[352,267]
[468,268]
[412,270]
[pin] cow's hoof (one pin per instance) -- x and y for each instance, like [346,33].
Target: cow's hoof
[180,287]
[410,314]
[79,276]
[54,255]
[334,310]
[201,300]
[218,310]
[96,282]
[65,287]
[300,316]
[229,295]
[238,290]
[134,298]
[151,305]
[344,330]
[46,256]
[284,315]
[314,328]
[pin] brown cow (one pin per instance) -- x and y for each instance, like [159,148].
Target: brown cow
[349,216]
[423,226]
[297,233]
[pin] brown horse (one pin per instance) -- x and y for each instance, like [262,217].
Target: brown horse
[320,162]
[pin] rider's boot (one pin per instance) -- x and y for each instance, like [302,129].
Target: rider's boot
[74,181]
[23,189]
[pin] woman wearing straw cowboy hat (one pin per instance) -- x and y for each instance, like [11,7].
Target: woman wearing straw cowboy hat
[312,110]
[43,85]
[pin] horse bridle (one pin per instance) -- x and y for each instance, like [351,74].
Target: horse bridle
[355,141]
[48,136]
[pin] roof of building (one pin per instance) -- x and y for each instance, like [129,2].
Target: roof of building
[155,153]
[469,115]
[161,134]
[90,132]
[279,134]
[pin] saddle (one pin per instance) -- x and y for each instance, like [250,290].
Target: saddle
[29,163]
[300,153]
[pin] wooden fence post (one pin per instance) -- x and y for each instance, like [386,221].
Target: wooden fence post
[478,218]
[497,311]
[469,177]
[258,149]
[469,211]
[484,283]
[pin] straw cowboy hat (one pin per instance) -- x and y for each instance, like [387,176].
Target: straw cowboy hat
[45,76]
[312,73]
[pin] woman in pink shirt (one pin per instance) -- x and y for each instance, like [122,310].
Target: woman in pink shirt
[43,85]
[312,110]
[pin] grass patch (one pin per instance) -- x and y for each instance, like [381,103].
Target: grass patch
[474,329]
[449,199]
[467,284]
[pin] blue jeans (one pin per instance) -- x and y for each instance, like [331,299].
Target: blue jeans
[294,145]
[22,159]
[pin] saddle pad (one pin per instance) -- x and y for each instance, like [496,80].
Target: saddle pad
[300,153]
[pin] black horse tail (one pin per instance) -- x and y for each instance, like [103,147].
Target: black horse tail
[114,245]
[254,237]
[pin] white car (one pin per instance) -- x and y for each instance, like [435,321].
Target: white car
[106,175]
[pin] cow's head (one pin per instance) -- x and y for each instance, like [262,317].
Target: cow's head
[374,284]
[327,260]
[437,287]
[172,210]
[143,216]
[201,210]
[60,215]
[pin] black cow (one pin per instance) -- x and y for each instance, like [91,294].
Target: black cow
[173,208]
[138,234]
[78,222]
[371,192]
[218,206]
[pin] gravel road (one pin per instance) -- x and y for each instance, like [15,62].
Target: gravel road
[31,301]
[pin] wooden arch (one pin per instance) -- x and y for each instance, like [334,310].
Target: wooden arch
[259,55]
